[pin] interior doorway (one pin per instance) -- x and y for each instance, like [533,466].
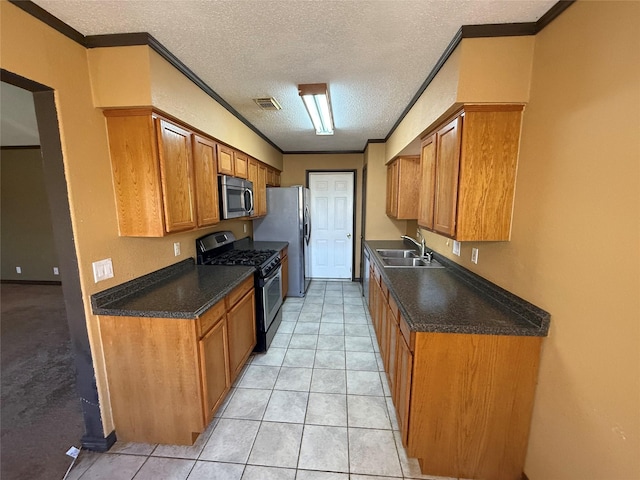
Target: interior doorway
[56,188]
[333,221]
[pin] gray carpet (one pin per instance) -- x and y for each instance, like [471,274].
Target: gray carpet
[40,410]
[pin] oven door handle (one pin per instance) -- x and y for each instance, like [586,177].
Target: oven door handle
[273,274]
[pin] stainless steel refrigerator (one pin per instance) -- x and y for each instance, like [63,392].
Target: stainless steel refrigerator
[288,220]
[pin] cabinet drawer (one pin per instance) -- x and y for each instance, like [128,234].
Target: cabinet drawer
[209,318]
[395,312]
[239,292]
[409,336]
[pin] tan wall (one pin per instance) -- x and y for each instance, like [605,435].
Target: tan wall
[495,69]
[439,97]
[378,225]
[574,246]
[138,76]
[26,231]
[177,95]
[37,52]
[480,70]
[294,173]
[120,76]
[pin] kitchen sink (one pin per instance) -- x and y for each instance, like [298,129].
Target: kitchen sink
[397,253]
[410,262]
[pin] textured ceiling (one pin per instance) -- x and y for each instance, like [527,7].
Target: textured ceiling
[374,54]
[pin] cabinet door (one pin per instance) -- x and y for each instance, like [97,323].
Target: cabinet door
[427,182]
[285,273]
[372,281]
[408,187]
[447,168]
[252,176]
[206,180]
[241,325]
[383,338]
[214,367]
[404,371]
[271,178]
[392,355]
[136,173]
[240,164]
[225,160]
[276,178]
[261,191]
[392,189]
[177,176]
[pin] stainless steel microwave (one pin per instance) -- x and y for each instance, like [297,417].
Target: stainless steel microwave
[236,197]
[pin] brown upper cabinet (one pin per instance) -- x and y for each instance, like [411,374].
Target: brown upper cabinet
[240,163]
[468,171]
[403,184]
[273,177]
[165,175]
[225,160]
[231,162]
[206,180]
[260,191]
[257,174]
[151,158]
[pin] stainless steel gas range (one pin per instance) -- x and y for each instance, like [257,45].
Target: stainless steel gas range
[221,248]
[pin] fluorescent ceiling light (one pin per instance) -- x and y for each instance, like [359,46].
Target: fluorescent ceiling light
[316,99]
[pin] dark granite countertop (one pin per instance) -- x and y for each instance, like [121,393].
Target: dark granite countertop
[183,290]
[455,300]
[248,244]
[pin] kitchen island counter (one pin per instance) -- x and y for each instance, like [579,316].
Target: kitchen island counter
[454,300]
[182,290]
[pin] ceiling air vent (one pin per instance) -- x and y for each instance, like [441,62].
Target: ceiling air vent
[267,103]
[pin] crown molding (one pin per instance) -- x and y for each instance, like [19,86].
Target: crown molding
[144,38]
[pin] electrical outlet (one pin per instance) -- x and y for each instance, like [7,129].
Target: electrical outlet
[474,255]
[56,271]
[456,248]
[18,269]
[102,269]
[176,249]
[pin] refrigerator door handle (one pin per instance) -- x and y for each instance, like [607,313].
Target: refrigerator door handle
[307,226]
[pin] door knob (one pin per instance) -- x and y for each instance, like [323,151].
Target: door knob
[348,235]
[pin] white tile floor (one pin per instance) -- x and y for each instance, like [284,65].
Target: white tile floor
[315,407]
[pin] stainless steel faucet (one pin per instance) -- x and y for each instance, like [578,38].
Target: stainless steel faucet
[421,245]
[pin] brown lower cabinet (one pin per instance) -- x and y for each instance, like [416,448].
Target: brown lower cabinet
[463,401]
[168,376]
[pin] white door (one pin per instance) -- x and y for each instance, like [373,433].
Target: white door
[331,224]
